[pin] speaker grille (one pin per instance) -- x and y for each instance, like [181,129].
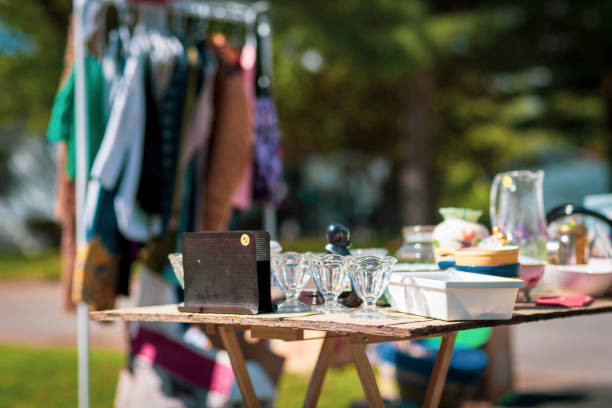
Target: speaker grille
[221,270]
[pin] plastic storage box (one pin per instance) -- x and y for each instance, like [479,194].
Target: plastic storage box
[453,295]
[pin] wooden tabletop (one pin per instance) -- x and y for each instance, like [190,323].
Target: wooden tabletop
[399,325]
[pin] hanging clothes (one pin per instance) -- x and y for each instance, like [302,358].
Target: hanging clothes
[160,369]
[231,148]
[119,160]
[268,164]
[162,139]
[62,127]
[65,214]
[243,195]
[267,154]
[65,206]
[176,140]
[62,130]
[157,250]
[110,215]
[201,130]
[200,125]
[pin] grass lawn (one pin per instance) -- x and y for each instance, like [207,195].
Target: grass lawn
[46,265]
[47,377]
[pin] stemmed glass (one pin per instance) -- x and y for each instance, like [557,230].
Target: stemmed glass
[370,278]
[291,273]
[330,274]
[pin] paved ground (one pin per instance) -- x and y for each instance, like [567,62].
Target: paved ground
[30,313]
[564,362]
[558,363]
[564,352]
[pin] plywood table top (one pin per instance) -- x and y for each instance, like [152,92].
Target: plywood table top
[398,325]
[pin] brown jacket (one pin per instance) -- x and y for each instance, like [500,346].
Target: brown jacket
[231,149]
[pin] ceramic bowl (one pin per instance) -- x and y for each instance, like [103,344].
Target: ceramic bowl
[592,279]
[531,271]
[502,271]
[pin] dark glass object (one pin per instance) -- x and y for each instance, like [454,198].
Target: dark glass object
[338,242]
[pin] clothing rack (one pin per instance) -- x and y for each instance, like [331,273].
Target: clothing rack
[257,25]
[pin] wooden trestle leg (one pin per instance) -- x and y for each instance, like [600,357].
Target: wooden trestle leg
[440,369]
[230,342]
[366,375]
[318,375]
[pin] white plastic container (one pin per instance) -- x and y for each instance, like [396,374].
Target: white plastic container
[415,267]
[453,295]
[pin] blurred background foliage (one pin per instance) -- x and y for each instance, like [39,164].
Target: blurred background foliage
[450,91]
[389,109]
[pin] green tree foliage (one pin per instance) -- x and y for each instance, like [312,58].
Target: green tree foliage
[510,81]
[536,88]
[29,76]
[478,86]
[371,50]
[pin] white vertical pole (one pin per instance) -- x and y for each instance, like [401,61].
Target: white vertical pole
[80,187]
[83,352]
[270,219]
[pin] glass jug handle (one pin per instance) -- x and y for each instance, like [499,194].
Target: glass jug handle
[493,200]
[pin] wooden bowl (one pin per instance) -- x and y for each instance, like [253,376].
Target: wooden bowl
[487,256]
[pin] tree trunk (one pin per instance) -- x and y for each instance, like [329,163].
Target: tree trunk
[606,89]
[416,167]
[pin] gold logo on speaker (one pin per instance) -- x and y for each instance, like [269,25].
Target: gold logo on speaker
[245,240]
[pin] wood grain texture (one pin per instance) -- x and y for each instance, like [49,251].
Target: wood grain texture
[318,375]
[366,375]
[279,333]
[399,326]
[439,371]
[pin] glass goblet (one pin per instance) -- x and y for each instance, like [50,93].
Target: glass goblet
[330,274]
[370,278]
[291,273]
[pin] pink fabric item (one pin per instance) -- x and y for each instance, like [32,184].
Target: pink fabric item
[243,195]
[247,63]
[566,301]
[180,360]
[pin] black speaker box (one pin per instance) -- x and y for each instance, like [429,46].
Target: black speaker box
[227,272]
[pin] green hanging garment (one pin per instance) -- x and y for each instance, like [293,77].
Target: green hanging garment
[62,125]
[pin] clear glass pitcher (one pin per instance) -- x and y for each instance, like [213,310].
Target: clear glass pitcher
[517,207]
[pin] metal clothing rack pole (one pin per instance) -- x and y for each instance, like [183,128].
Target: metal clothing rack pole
[80,187]
[229,11]
[211,10]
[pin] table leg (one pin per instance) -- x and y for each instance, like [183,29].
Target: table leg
[316,381]
[230,342]
[366,375]
[440,369]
